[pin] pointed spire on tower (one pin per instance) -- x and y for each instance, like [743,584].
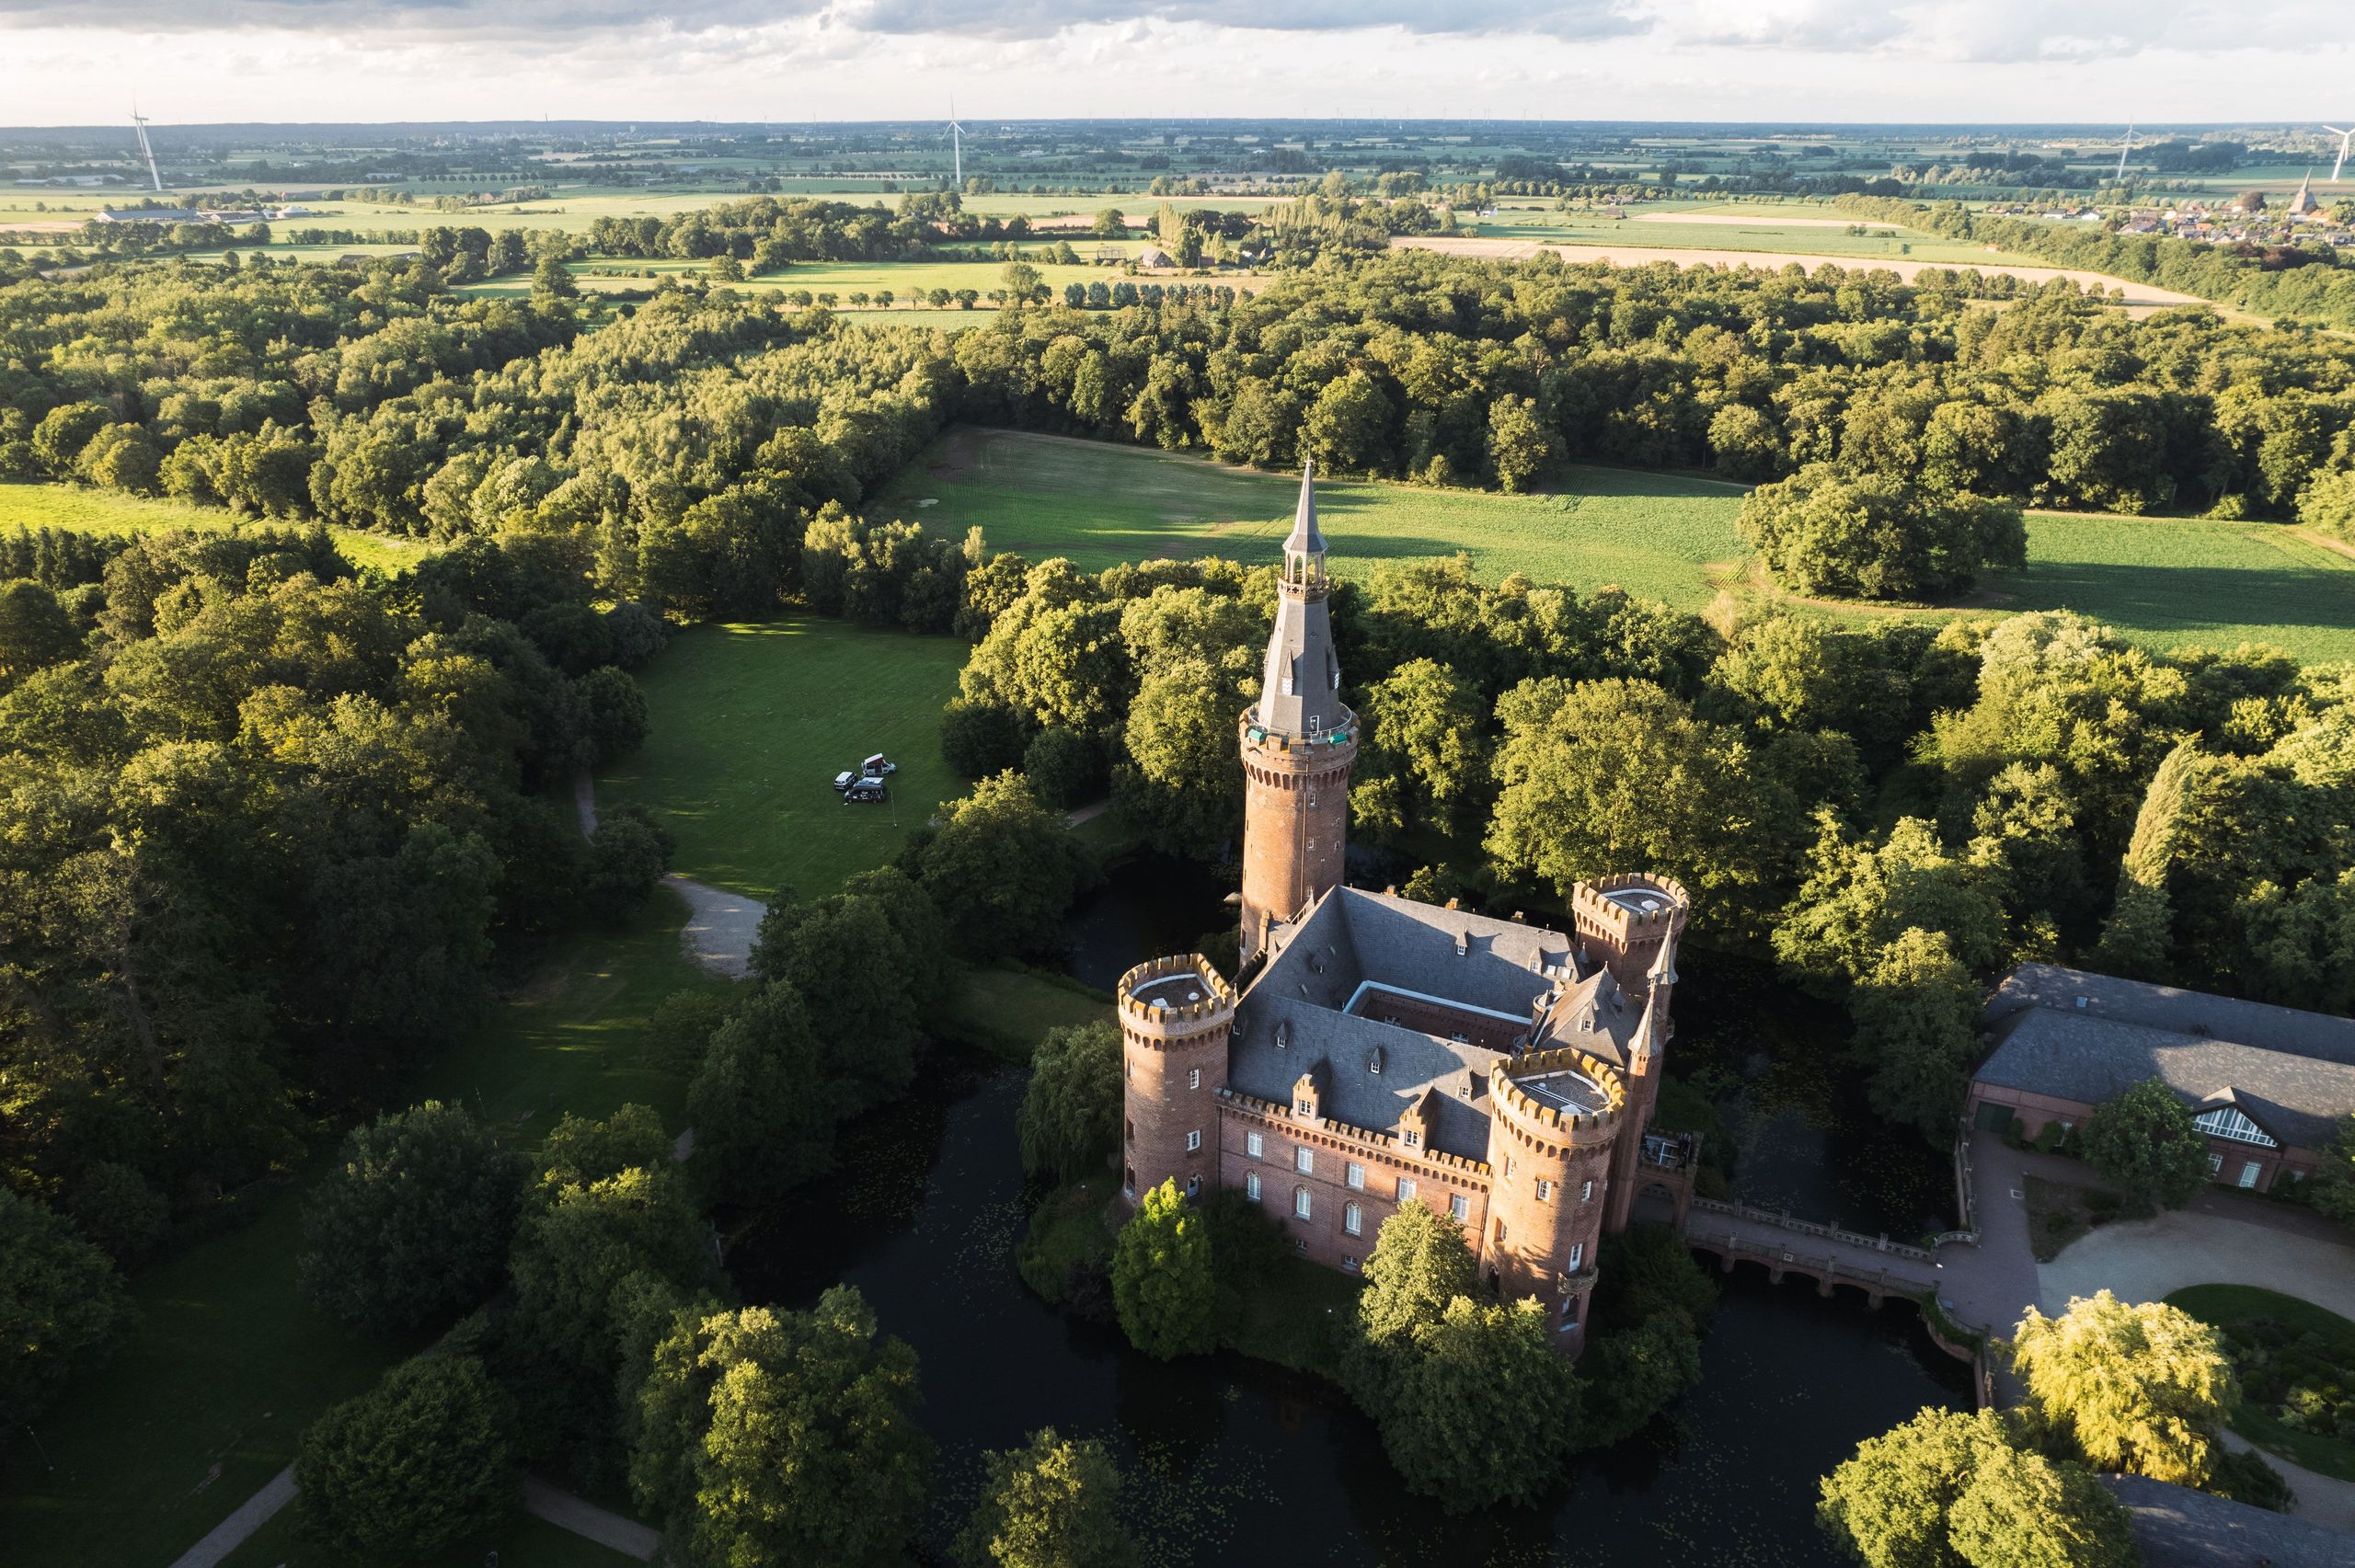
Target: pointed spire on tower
[1663,974]
[1305,539]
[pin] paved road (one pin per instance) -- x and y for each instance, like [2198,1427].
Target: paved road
[252,1513]
[583,1517]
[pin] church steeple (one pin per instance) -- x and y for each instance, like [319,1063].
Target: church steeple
[1300,689]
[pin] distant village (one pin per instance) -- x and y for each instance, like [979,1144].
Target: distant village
[2246,220]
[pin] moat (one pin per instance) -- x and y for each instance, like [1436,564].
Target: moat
[1227,1455]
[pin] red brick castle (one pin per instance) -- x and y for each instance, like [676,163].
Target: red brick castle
[1382,1051]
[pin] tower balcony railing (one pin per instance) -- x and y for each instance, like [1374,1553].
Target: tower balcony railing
[1340,732]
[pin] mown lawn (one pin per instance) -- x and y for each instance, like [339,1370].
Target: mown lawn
[2161,581]
[205,1401]
[527,1543]
[1098,504]
[111,511]
[2236,1309]
[751,724]
[1005,1012]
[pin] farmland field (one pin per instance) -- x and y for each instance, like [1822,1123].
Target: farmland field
[751,722]
[111,511]
[1098,504]
[903,277]
[2163,582]
[1797,228]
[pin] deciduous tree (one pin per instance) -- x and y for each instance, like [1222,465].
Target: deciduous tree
[1050,1503]
[419,1465]
[2144,1143]
[1162,1285]
[1070,1122]
[2143,1388]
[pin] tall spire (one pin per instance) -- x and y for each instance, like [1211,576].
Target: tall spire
[1300,690]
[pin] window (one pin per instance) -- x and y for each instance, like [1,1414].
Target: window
[1406,1188]
[1357,1175]
[1128,1071]
[1312,800]
[1353,1219]
[1300,1203]
[1545,1190]
[1500,1231]
[1251,1185]
[1410,1138]
[1586,1192]
[1193,1186]
[1304,1108]
[1129,1129]
[1303,1160]
[1350,1263]
[1128,1185]
[1193,1141]
[1510,1165]
[1577,1255]
[2215,1164]
[1194,1078]
[2250,1171]
[1301,1245]
[1569,1314]
[1254,1145]
[1460,1206]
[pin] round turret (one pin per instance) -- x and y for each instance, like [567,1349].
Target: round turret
[1556,1117]
[1176,1015]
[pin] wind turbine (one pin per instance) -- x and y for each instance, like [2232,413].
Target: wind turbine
[2344,138]
[957,144]
[140,122]
[2129,147]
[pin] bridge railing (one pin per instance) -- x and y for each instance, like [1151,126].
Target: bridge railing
[1782,1220]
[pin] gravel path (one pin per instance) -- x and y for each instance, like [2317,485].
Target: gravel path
[252,1513]
[721,926]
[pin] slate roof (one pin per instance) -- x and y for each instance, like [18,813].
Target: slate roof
[2178,1527]
[1350,937]
[2291,1072]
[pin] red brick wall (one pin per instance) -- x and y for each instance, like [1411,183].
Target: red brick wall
[1162,1101]
[1539,1233]
[1328,1241]
[1437,1018]
[2035,1110]
[1291,849]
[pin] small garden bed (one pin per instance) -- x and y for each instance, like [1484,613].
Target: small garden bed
[2059,1213]
[2297,1363]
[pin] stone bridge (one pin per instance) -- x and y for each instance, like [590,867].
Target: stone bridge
[1879,1267]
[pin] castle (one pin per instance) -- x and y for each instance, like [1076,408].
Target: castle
[1382,1051]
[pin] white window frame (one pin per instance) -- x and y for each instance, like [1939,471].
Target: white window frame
[1303,1158]
[1255,1144]
[1194,1141]
[1406,1189]
[1303,1204]
[1356,1176]
[1586,1191]
[1459,1207]
[1545,1190]
[2250,1171]
[1352,1219]
[1194,1078]
[1578,1256]
[1251,1185]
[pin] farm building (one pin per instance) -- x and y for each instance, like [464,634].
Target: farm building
[2269,1086]
[1152,258]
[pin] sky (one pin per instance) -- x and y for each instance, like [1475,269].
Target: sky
[80,62]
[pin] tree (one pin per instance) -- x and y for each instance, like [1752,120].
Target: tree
[771,1437]
[1426,723]
[579,1153]
[1520,447]
[1876,536]
[419,1465]
[1946,1488]
[1003,868]
[413,1223]
[2139,936]
[1021,283]
[2333,1189]
[1606,774]
[1070,1122]
[63,1306]
[2144,1143]
[760,1105]
[1484,1411]
[1916,1017]
[1162,1285]
[35,630]
[1637,1373]
[860,980]
[1050,1503]
[1420,1262]
[2142,1389]
[551,280]
[628,855]
[1858,900]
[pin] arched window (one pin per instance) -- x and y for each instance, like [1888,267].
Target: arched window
[1353,1219]
[1300,1203]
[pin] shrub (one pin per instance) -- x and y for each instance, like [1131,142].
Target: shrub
[422,1463]
[61,1306]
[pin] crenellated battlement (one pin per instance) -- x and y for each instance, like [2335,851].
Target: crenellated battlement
[1513,1088]
[1623,920]
[1162,995]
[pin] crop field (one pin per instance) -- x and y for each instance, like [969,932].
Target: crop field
[1098,504]
[227,1366]
[1767,227]
[111,511]
[751,724]
[2164,582]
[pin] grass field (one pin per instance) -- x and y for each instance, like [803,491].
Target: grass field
[751,722]
[111,511]
[1098,504]
[2164,582]
[1762,227]
[2227,1306]
[527,1543]
[205,1401]
[1005,1011]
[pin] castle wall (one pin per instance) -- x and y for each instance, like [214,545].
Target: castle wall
[1173,1064]
[1437,1018]
[1322,1236]
[1552,1191]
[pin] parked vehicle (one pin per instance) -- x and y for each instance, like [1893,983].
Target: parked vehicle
[844,782]
[875,767]
[864,792]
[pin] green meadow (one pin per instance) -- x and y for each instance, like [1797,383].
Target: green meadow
[751,724]
[2164,582]
[1762,226]
[111,511]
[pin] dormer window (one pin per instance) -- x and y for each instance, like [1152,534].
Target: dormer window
[1374,1062]
[1410,1138]
[1284,1034]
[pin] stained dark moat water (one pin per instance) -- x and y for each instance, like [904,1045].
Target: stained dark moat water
[1233,1461]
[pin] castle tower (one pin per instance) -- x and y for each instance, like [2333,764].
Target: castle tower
[1298,741]
[1630,924]
[1175,1016]
[1556,1118]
